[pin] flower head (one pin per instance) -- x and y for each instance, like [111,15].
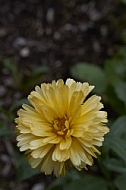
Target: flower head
[61,128]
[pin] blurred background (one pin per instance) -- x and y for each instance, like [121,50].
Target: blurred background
[44,40]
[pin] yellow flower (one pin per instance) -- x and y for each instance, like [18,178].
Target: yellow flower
[62,128]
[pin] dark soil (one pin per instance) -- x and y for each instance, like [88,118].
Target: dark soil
[57,34]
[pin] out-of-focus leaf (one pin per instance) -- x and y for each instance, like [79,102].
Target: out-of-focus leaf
[90,73]
[61,183]
[117,145]
[114,147]
[80,182]
[124,35]
[11,66]
[120,68]
[57,184]
[120,89]
[7,113]
[115,70]
[120,182]
[122,52]
[114,101]
[87,183]
[32,81]
[17,75]
[35,78]
[18,103]
[24,170]
[4,130]
[40,69]
[104,170]
[116,165]
[123,1]
[110,72]
[116,87]
[119,127]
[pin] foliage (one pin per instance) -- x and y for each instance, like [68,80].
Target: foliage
[74,181]
[110,82]
[8,114]
[91,73]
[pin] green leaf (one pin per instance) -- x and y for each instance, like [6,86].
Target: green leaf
[120,67]
[4,130]
[118,146]
[124,34]
[17,76]
[18,103]
[90,73]
[104,170]
[114,101]
[120,182]
[110,72]
[120,89]
[114,148]
[123,1]
[122,52]
[87,183]
[24,170]
[35,78]
[119,127]
[116,165]
[115,69]
[40,69]
[60,183]
[11,66]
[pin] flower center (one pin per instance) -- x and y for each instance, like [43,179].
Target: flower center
[62,127]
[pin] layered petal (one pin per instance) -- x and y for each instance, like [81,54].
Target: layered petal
[61,127]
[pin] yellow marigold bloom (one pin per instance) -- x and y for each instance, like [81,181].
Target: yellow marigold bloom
[62,127]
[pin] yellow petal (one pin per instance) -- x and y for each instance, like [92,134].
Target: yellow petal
[60,155]
[53,139]
[34,144]
[42,151]
[65,143]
